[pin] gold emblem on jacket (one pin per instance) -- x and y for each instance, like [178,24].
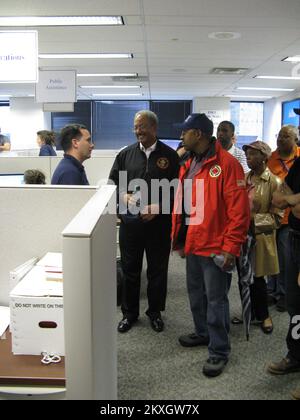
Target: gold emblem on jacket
[163,163]
[215,171]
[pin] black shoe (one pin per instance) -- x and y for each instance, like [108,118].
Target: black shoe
[157,324]
[193,340]
[236,321]
[125,325]
[214,367]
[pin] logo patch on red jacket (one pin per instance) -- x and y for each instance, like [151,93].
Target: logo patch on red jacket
[163,163]
[215,171]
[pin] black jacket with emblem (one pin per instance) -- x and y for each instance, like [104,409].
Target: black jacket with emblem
[163,163]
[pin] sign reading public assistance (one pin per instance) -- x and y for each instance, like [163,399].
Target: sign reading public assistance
[56,86]
[18,56]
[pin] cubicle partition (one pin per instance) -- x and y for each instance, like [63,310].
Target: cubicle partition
[89,261]
[97,167]
[32,219]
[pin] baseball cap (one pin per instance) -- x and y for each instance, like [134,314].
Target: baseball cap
[259,145]
[297,111]
[197,121]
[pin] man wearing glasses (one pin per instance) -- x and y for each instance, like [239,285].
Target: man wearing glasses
[149,228]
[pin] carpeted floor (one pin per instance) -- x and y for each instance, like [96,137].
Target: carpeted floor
[154,366]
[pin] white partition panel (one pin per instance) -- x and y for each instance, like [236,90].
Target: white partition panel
[19,164]
[89,264]
[32,219]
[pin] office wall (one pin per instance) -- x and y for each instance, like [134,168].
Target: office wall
[26,118]
[32,219]
[16,165]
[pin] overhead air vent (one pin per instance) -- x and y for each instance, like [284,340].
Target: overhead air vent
[130,78]
[229,70]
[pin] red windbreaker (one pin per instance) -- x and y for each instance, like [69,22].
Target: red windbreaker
[226,213]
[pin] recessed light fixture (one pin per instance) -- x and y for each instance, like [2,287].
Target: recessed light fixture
[277,77]
[250,97]
[116,94]
[292,59]
[224,36]
[109,87]
[107,75]
[60,20]
[86,55]
[266,88]
[6,96]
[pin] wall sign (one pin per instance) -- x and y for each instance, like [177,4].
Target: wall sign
[18,56]
[56,86]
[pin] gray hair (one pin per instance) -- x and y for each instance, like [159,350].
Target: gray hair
[293,129]
[152,117]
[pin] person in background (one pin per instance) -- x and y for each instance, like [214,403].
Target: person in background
[289,196]
[220,228]
[34,176]
[279,164]
[77,146]
[149,231]
[46,142]
[4,143]
[227,139]
[265,219]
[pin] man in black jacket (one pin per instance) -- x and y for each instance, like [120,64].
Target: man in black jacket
[148,229]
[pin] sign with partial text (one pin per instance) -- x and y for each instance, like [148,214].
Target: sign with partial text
[56,86]
[18,56]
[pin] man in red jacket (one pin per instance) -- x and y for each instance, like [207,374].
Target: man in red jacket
[213,181]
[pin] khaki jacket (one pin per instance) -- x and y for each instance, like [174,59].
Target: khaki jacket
[265,219]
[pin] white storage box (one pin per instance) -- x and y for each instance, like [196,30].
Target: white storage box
[37,318]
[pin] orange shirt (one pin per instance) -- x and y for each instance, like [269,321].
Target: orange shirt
[280,167]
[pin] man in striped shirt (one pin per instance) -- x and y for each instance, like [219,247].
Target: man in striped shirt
[225,136]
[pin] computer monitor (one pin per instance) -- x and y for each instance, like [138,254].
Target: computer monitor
[9,180]
[288,114]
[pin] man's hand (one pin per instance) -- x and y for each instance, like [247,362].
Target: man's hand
[149,212]
[229,261]
[280,200]
[181,252]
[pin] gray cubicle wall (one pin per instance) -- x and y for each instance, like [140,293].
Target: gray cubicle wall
[19,164]
[32,219]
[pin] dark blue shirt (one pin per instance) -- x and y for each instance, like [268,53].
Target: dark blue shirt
[47,150]
[69,171]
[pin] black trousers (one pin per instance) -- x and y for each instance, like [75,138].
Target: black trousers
[259,302]
[293,293]
[153,238]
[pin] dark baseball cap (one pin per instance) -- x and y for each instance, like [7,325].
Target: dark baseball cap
[297,111]
[198,122]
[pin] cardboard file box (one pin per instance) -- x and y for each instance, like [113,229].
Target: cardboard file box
[37,318]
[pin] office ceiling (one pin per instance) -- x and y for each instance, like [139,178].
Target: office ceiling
[173,52]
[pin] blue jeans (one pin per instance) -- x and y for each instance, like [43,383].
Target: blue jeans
[208,287]
[277,283]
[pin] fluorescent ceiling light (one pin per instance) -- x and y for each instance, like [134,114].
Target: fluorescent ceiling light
[271,89]
[110,87]
[252,97]
[293,59]
[60,20]
[6,96]
[116,94]
[277,77]
[86,55]
[107,75]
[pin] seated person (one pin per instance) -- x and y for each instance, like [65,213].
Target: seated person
[46,141]
[34,176]
[4,143]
